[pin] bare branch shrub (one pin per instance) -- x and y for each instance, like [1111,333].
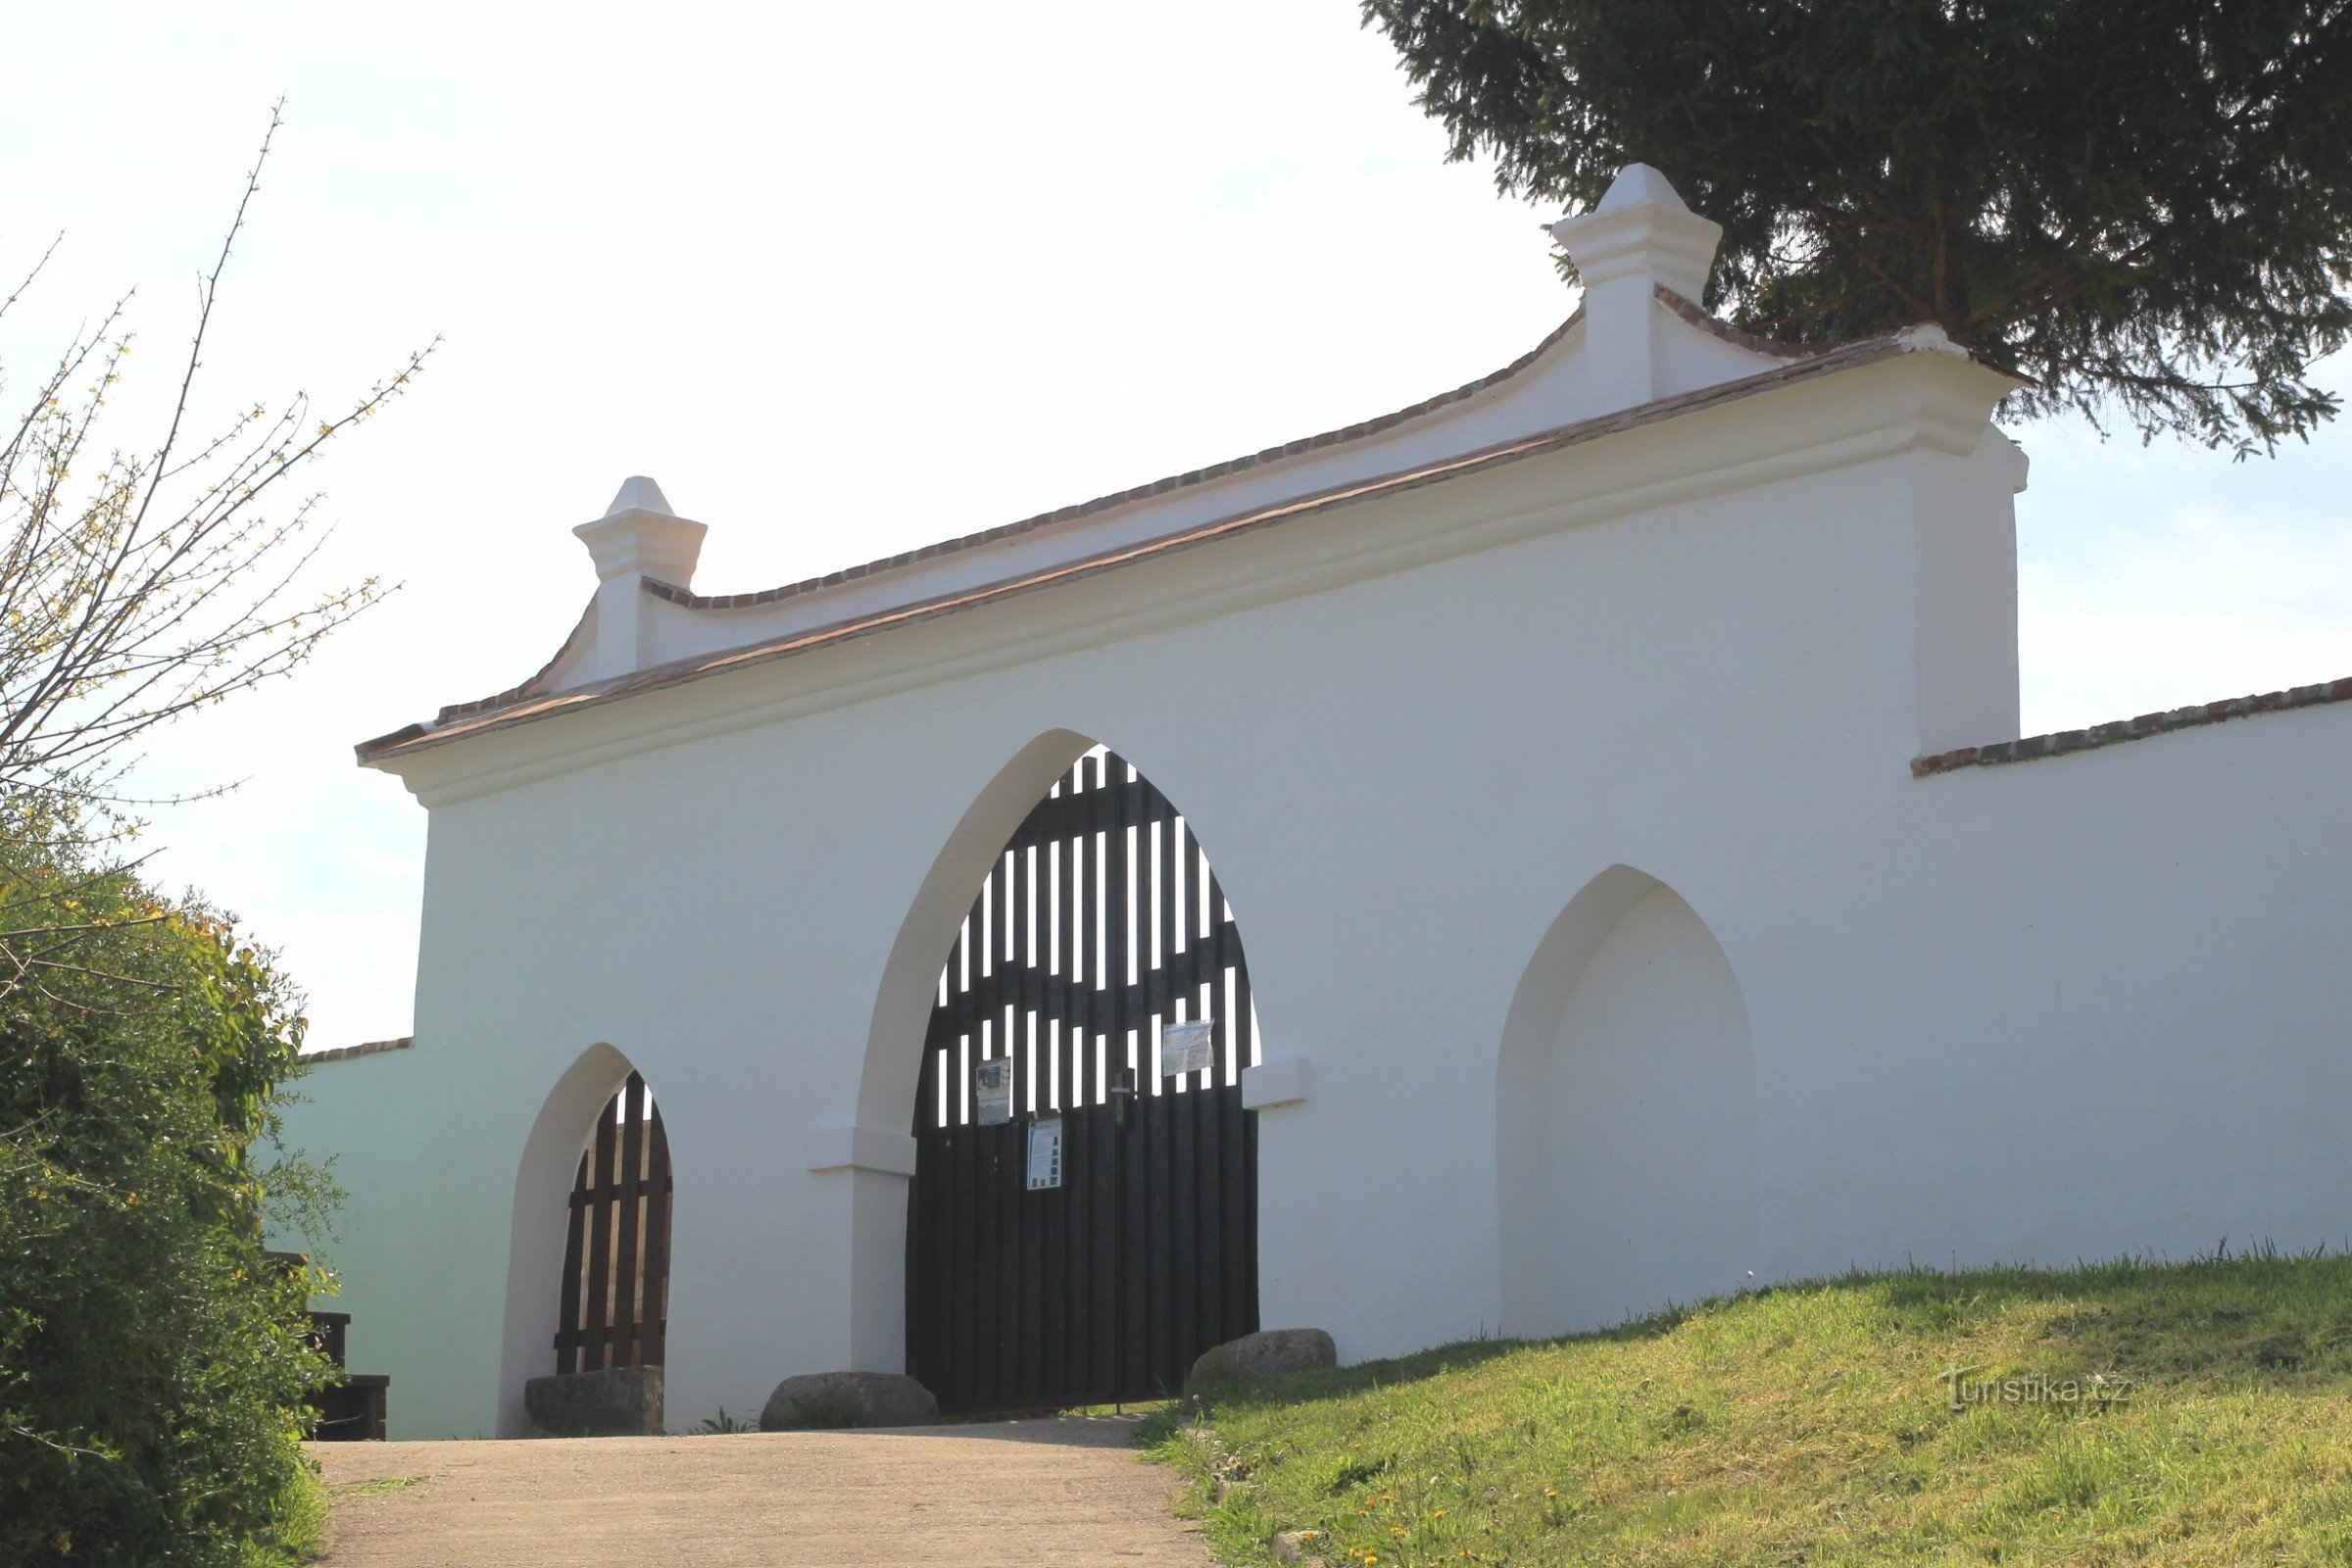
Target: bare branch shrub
[139,585]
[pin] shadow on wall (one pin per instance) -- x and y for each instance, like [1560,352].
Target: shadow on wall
[1626,1117]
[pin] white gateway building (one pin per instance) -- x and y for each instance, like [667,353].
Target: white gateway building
[1551,852]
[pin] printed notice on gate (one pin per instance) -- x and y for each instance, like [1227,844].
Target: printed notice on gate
[1045,1154]
[992,1087]
[1185,1047]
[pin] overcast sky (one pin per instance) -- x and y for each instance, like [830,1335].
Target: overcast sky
[845,280]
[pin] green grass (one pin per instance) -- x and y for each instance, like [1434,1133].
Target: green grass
[382,1485]
[1811,1425]
[298,1531]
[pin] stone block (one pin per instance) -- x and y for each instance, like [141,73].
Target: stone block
[622,1402]
[817,1399]
[1267,1353]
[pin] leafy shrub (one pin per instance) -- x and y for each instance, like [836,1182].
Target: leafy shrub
[153,1362]
[723,1425]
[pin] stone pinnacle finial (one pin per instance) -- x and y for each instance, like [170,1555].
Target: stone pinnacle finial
[638,493]
[1640,238]
[1638,182]
[637,537]
[1641,228]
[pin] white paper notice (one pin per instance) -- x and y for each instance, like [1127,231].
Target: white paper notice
[1185,1047]
[992,1088]
[1045,1154]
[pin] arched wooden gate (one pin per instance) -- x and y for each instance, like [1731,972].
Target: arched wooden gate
[1081,1224]
[615,1308]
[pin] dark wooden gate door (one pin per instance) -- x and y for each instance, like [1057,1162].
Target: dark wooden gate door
[615,1293]
[1101,924]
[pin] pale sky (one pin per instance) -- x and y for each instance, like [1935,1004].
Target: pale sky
[847,280]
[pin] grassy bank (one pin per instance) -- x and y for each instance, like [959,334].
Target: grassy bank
[2121,1413]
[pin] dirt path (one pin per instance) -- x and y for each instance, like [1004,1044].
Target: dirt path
[1031,1494]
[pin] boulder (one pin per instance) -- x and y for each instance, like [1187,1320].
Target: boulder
[623,1402]
[1267,1353]
[848,1399]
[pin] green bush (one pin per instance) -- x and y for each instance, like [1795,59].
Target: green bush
[153,1369]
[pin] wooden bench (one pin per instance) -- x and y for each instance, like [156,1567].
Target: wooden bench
[350,1409]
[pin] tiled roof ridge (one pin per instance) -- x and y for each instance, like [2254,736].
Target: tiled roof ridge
[368,1048]
[2061,742]
[1674,301]
[1693,312]
[536,706]
[523,688]
[1120,498]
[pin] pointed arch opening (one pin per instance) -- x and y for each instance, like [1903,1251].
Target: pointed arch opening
[589,1241]
[1081,1222]
[1625,1115]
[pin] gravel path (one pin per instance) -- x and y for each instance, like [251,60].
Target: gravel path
[1033,1493]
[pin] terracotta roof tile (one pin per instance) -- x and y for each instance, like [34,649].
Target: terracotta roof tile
[365,1049]
[482,705]
[1689,311]
[2062,742]
[1120,498]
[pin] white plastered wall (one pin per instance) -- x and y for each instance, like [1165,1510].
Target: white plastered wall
[2050,1011]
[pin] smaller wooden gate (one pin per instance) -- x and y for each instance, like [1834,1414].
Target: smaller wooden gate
[617,1253]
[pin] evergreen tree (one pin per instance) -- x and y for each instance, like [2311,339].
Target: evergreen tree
[2141,207]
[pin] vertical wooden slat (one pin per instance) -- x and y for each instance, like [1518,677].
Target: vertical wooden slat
[1027,1349]
[575,1230]
[1208,1115]
[657,1242]
[627,1266]
[987,1175]
[1135,911]
[1170,1311]
[598,1344]
[965,1172]
[1085,1127]
[1237,1297]
[1185,1174]
[1057,1367]
[1104,1169]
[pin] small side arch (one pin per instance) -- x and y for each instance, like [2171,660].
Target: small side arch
[1625,1115]
[538,1222]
